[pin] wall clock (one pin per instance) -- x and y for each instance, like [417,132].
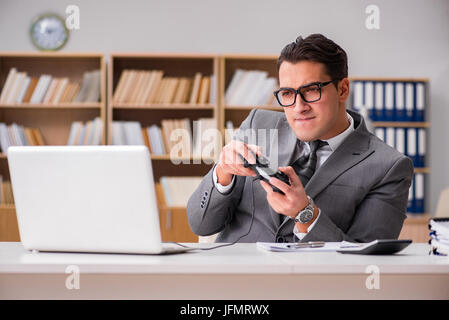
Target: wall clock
[48,32]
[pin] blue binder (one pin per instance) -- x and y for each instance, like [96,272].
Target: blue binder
[420,93]
[411,197]
[412,145]
[399,101]
[419,192]
[421,148]
[379,101]
[410,101]
[389,101]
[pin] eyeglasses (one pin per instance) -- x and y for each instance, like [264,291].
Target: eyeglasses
[309,93]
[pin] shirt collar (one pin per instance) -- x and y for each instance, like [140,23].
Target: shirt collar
[335,142]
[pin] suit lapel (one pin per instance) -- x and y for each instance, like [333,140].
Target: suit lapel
[286,143]
[353,150]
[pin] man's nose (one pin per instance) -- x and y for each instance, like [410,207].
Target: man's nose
[300,105]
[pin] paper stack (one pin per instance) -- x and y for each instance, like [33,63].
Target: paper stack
[439,236]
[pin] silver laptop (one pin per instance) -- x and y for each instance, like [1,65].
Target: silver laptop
[86,199]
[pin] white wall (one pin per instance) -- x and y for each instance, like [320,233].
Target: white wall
[413,40]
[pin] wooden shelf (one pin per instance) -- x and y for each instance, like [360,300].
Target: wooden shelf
[421,170]
[7,206]
[190,107]
[249,108]
[381,79]
[39,106]
[401,124]
[168,157]
[417,217]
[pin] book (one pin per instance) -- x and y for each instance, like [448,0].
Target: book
[156,140]
[22,90]
[15,87]
[195,88]
[136,86]
[51,89]
[155,84]
[6,87]
[133,133]
[98,132]
[204,90]
[38,136]
[74,129]
[120,86]
[146,79]
[30,89]
[94,87]
[205,137]
[41,88]
[238,74]
[86,83]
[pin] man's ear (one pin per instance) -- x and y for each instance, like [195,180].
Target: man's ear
[343,90]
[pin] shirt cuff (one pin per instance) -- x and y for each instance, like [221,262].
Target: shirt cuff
[220,188]
[301,235]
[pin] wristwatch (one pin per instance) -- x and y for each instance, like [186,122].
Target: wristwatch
[306,215]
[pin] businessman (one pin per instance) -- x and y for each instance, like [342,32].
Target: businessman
[344,183]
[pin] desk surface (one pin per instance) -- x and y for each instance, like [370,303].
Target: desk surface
[243,258]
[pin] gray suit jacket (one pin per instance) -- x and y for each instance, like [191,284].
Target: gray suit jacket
[361,189]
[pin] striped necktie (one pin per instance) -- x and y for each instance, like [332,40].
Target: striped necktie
[305,165]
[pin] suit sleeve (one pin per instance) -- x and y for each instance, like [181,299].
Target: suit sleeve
[379,216]
[208,210]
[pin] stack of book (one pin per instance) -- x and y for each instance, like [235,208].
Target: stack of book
[390,100]
[251,88]
[6,196]
[174,136]
[17,135]
[21,88]
[439,236]
[177,190]
[150,86]
[89,133]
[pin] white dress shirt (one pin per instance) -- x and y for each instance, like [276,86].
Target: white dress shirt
[303,148]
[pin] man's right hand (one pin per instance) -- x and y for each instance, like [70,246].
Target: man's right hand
[231,163]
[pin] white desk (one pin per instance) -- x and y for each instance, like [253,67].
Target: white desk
[241,271]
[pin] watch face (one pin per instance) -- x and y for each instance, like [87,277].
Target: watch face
[306,216]
[48,32]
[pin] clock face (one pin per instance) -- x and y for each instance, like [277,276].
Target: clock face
[49,32]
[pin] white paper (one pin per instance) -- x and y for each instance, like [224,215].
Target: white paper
[289,247]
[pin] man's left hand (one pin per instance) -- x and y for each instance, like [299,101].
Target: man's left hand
[294,198]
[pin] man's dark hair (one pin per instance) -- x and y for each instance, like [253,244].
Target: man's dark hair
[317,48]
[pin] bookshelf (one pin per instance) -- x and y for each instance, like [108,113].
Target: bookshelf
[229,64]
[151,108]
[53,118]
[414,106]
